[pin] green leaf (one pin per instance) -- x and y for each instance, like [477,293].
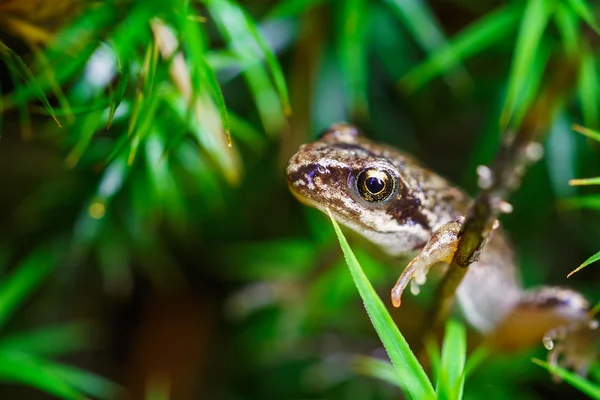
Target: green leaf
[591,202]
[402,357]
[568,27]
[377,368]
[585,181]
[244,39]
[418,18]
[533,24]
[18,66]
[588,87]
[37,373]
[571,378]
[352,54]
[454,350]
[87,382]
[29,274]
[196,49]
[51,340]
[584,11]
[274,67]
[587,262]
[592,134]
[478,36]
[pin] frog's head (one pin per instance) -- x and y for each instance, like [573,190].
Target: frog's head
[366,186]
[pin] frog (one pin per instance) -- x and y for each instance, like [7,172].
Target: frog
[408,211]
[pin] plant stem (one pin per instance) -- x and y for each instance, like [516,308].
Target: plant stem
[517,151]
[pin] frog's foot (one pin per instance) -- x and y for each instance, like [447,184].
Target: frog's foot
[573,346]
[440,247]
[561,317]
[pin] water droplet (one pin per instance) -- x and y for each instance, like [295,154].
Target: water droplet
[415,289]
[548,342]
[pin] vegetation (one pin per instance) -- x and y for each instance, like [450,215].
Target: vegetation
[149,246]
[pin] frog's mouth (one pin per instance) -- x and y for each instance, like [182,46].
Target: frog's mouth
[298,194]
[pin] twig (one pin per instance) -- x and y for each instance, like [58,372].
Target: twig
[497,182]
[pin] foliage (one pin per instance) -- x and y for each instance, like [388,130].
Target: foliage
[148,170]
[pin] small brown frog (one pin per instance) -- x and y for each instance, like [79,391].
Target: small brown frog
[388,197]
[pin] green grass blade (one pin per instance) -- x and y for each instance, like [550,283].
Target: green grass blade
[379,369]
[204,74]
[475,359]
[420,21]
[243,38]
[588,88]
[568,26]
[592,134]
[272,64]
[533,24]
[352,55]
[87,382]
[402,357]
[31,272]
[16,63]
[454,352]
[34,372]
[571,378]
[51,340]
[590,202]
[586,13]
[119,94]
[587,262]
[478,36]
[585,181]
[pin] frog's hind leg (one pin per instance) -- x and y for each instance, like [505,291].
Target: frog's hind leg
[560,318]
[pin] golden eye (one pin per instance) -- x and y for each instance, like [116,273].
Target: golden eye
[375,185]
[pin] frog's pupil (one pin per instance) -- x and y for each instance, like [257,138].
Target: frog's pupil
[375,184]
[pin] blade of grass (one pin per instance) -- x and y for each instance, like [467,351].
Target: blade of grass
[454,352]
[590,202]
[34,372]
[571,378]
[377,368]
[87,382]
[585,13]
[568,27]
[592,134]
[205,76]
[51,340]
[16,63]
[402,357]
[352,55]
[473,39]
[587,262]
[238,30]
[533,24]
[420,21]
[272,64]
[29,275]
[588,88]
[585,181]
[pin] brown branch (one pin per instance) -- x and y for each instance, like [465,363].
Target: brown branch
[498,181]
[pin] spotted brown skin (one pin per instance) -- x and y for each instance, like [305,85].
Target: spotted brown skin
[404,207]
[324,174]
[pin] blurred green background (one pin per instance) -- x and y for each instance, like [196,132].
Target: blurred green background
[143,253]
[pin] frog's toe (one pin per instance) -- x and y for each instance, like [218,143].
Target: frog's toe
[574,347]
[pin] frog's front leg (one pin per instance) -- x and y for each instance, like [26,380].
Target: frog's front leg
[440,248]
[557,316]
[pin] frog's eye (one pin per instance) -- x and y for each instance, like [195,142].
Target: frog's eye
[375,185]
